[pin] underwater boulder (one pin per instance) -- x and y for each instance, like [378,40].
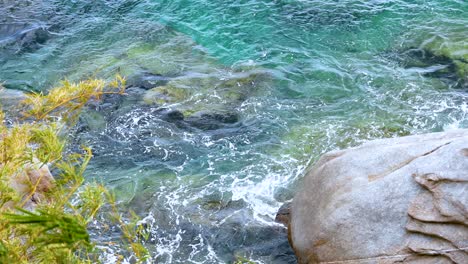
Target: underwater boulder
[438,54]
[19,37]
[437,65]
[147,81]
[166,94]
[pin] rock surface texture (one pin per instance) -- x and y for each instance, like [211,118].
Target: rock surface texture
[10,98]
[400,200]
[31,183]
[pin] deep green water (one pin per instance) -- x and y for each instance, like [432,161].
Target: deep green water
[291,78]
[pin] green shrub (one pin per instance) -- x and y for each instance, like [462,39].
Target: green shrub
[42,220]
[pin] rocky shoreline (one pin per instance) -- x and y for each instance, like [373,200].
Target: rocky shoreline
[398,200]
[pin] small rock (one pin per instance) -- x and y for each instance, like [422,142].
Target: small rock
[212,120]
[170,115]
[148,81]
[23,37]
[283,214]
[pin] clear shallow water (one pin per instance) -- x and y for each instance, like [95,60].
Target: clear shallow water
[292,80]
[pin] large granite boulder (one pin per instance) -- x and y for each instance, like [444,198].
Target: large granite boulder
[399,200]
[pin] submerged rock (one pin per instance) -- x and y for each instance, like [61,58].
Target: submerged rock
[453,48]
[212,120]
[275,248]
[23,37]
[171,115]
[387,201]
[166,94]
[196,92]
[437,53]
[92,120]
[148,81]
[283,215]
[434,64]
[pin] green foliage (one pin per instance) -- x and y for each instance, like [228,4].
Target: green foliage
[54,228]
[44,220]
[68,100]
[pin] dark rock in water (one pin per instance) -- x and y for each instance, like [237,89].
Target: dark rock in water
[131,133]
[111,102]
[171,115]
[148,81]
[274,246]
[212,120]
[91,120]
[222,203]
[134,91]
[34,38]
[21,85]
[228,118]
[283,214]
[434,65]
[133,96]
[23,37]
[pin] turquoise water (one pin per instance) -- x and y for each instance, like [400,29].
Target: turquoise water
[265,88]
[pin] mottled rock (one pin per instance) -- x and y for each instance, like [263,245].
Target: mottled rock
[206,120]
[148,81]
[434,65]
[283,214]
[31,183]
[171,115]
[165,94]
[441,54]
[387,201]
[23,37]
